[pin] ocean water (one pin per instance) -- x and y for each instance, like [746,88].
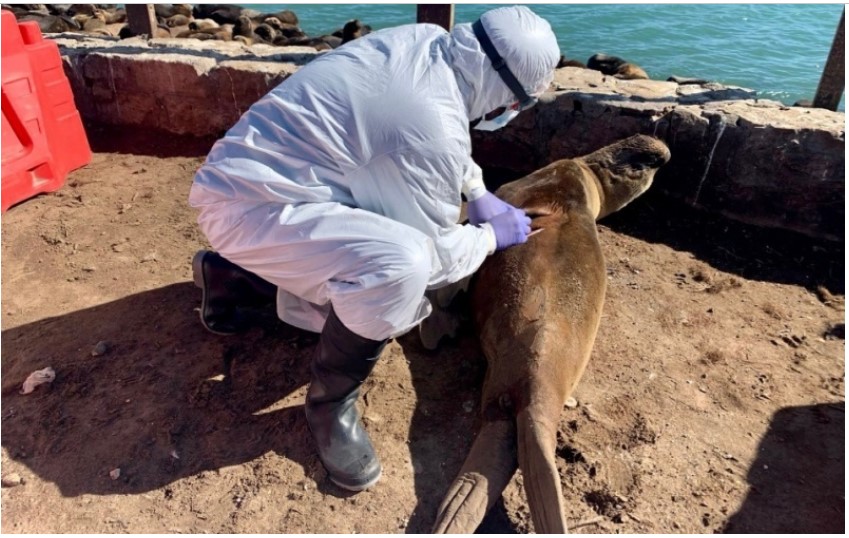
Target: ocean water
[779,50]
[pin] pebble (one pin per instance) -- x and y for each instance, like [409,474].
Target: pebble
[115,473]
[101,348]
[571,403]
[11,480]
[468,406]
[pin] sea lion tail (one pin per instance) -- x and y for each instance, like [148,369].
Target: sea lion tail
[488,469]
[537,440]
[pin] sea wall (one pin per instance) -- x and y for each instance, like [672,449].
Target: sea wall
[751,160]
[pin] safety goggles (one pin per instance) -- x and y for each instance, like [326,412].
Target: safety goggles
[525,101]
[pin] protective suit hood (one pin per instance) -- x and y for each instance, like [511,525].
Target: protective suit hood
[524,40]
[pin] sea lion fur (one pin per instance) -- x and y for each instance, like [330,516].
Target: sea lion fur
[537,330]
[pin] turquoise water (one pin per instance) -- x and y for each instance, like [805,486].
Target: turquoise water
[777,49]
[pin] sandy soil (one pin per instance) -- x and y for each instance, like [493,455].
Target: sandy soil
[714,400]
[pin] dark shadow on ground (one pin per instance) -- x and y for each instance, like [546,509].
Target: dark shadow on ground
[447,383]
[145,141]
[158,410]
[797,483]
[751,252]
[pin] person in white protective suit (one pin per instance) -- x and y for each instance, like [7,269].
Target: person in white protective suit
[340,191]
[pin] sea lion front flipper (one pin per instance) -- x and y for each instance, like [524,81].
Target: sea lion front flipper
[486,472]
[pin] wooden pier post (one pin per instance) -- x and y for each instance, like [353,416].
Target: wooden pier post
[142,19]
[441,14]
[832,83]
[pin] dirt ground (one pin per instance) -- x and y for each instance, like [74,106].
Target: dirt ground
[714,401]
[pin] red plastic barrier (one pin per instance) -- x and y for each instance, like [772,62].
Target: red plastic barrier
[43,135]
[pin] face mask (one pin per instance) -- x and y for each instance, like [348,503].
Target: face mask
[497,122]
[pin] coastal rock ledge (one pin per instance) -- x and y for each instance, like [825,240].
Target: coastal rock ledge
[749,159]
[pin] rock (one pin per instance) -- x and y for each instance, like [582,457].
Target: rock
[11,480]
[101,348]
[571,403]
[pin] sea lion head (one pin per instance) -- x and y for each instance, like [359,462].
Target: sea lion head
[625,170]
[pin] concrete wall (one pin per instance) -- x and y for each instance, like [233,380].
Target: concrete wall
[752,160]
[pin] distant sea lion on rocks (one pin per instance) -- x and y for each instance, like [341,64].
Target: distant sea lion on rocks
[286,17]
[51,24]
[353,29]
[243,30]
[177,20]
[564,62]
[537,308]
[616,67]
[203,24]
[166,11]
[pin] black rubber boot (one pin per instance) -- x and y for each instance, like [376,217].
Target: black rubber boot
[343,360]
[226,288]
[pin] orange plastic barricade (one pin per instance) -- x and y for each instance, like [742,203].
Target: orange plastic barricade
[43,135]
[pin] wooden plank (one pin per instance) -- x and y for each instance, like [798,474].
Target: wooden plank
[142,19]
[833,81]
[441,14]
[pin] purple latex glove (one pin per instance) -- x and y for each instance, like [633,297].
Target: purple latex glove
[511,228]
[486,207]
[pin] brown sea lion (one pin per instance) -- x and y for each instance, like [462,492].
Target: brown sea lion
[51,24]
[244,29]
[537,330]
[286,17]
[566,62]
[201,25]
[177,20]
[616,67]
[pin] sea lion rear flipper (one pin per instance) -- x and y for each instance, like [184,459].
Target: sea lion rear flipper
[488,469]
[537,440]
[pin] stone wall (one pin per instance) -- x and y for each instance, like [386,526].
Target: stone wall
[752,160]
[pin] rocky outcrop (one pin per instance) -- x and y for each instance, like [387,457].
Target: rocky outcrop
[182,86]
[753,160]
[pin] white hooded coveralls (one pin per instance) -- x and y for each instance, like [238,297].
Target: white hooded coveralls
[342,185]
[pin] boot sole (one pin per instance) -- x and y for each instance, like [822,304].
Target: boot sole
[200,282]
[358,487]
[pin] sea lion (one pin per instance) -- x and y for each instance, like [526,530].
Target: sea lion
[537,308]
[566,62]
[353,29]
[51,24]
[166,11]
[177,20]
[286,17]
[265,33]
[203,25]
[616,67]
[243,29]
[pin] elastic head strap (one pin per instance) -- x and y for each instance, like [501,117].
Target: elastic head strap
[498,63]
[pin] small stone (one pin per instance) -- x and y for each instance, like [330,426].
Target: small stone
[101,348]
[571,403]
[150,257]
[468,406]
[115,473]
[11,480]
